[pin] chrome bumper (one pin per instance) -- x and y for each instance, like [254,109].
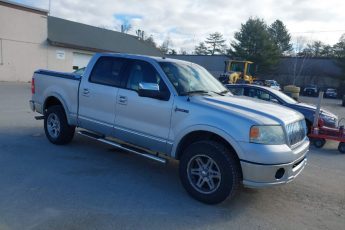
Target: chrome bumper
[32,105]
[265,175]
[35,107]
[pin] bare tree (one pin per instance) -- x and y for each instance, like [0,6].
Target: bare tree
[183,51]
[299,46]
[166,45]
[126,26]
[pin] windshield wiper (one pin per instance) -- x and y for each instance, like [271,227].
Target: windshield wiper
[221,93]
[193,92]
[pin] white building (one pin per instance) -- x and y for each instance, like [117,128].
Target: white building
[31,40]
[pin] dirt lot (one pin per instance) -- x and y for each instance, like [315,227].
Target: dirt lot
[88,185]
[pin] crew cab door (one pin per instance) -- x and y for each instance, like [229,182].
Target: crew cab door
[143,121]
[97,95]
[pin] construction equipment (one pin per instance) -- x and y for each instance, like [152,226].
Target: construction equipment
[237,72]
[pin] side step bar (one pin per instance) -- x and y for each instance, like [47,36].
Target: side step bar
[39,117]
[126,148]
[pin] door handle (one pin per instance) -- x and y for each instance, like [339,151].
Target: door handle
[122,100]
[86,91]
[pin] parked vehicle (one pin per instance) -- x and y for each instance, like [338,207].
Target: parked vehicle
[311,91]
[80,71]
[273,84]
[330,93]
[269,83]
[237,72]
[160,108]
[275,96]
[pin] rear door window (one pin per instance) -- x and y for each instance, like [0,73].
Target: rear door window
[108,71]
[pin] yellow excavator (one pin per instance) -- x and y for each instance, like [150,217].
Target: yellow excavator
[237,72]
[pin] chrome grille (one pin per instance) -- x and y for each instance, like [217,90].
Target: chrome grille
[296,131]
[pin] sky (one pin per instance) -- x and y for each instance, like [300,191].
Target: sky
[188,22]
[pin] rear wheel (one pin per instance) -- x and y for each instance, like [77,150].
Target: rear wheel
[56,127]
[210,172]
[341,147]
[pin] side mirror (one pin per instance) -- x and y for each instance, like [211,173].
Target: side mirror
[274,100]
[152,90]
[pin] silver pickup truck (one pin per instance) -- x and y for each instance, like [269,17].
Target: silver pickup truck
[160,108]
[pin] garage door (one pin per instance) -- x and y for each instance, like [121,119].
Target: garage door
[80,60]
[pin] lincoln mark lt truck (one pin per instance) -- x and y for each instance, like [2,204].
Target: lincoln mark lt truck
[163,108]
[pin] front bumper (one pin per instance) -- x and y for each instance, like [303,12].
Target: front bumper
[259,175]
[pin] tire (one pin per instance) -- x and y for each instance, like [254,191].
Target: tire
[56,127]
[319,143]
[221,168]
[341,147]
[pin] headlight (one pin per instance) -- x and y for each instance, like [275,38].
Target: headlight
[267,134]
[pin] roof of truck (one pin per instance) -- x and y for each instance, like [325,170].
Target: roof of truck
[139,56]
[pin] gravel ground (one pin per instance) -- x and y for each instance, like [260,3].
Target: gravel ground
[88,185]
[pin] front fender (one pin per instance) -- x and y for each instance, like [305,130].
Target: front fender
[222,133]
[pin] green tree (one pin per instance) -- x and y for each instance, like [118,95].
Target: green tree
[151,41]
[339,53]
[253,42]
[280,35]
[215,43]
[201,49]
[314,49]
[317,49]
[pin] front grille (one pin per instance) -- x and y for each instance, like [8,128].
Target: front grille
[296,131]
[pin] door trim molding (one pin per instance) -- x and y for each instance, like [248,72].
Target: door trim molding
[140,134]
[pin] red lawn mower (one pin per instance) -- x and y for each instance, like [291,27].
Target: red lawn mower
[320,134]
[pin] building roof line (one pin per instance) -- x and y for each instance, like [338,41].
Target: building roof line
[21,6]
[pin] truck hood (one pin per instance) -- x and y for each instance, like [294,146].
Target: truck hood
[258,111]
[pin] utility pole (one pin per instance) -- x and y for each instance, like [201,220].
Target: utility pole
[49,7]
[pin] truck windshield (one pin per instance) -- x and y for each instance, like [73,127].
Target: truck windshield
[191,78]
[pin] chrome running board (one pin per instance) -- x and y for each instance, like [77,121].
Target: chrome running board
[120,146]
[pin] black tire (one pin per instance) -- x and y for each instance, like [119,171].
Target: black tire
[341,147]
[66,131]
[319,142]
[224,161]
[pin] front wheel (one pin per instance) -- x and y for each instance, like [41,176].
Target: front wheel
[210,172]
[56,127]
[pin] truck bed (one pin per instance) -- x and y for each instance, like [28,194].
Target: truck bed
[63,86]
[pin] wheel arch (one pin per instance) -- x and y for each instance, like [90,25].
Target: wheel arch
[198,134]
[55,100]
